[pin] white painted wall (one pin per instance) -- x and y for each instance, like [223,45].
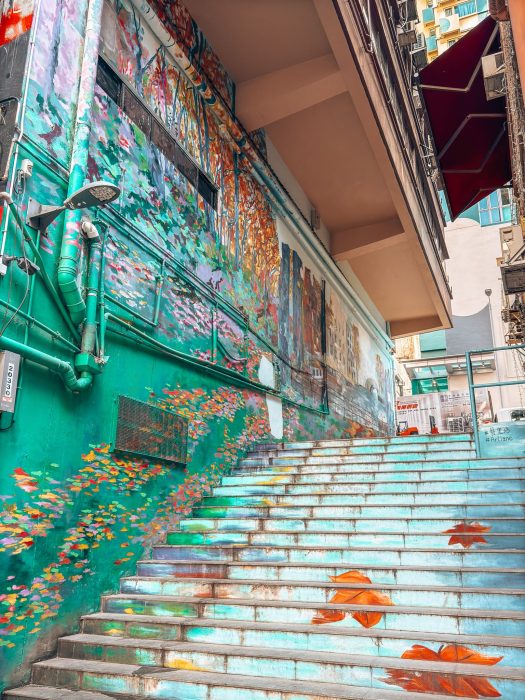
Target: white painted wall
[472,268]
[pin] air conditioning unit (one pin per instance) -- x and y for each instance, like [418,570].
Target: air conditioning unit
[419,57]
[493,67]
[407,35]
[408,10]
[448,25]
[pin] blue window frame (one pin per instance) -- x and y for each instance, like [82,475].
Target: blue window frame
[496,208]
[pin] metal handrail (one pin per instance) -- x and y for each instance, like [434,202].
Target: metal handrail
[485,385]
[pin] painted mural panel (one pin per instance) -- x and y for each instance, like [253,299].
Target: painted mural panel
[55,75]
[231,289]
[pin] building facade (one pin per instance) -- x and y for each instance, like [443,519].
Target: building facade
[443,22]
[148,343]
[436,361]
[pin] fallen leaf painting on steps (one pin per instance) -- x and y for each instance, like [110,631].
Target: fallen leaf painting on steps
[353,596]
[460,686]
[467,534]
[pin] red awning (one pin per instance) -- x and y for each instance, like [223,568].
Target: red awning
[470,133]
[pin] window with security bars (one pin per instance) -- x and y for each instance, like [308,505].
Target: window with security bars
[155,131]
[147,431]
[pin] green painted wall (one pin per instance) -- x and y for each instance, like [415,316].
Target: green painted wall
[236,291]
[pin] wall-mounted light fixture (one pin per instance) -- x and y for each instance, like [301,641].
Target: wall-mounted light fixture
[94,194]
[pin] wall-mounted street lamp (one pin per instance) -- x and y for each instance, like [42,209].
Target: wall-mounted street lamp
[94,194]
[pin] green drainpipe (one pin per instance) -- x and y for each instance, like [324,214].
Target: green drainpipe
[60,367]
[85,361]
[67,272]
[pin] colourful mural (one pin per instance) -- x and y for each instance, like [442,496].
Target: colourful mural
[215,313]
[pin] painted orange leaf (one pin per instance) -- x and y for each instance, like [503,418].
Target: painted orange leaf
[357,596]
[460,686]
[467,534]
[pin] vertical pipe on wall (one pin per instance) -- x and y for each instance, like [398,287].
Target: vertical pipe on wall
[72,235]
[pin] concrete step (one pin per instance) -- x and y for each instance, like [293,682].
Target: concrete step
[397,439]
[330,638]
[474,511]
[374,475]
[133,680]
[426,574]
[316,592]
[282,663]
[346,466]
[350,540]
[367,448]
[396,486]
[454,620]
[362,458]
[342,555]
[41,692]
[386,498]
[346,525]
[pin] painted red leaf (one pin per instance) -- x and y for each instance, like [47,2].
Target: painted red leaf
[467,534]
[461,686]
[358,596]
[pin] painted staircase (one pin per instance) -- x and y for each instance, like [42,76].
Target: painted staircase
[362,569]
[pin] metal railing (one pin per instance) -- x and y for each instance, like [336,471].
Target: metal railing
[485,385]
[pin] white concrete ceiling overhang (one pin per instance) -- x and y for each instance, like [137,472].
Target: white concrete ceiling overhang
[297,79]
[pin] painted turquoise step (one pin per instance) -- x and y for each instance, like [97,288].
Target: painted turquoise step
[376,476]
[342,555]
[450,437]
[378,448]
[349,669]
[474,511]
[355,524]
[328,638]
[454,620]
[374,464]
[315,592]
[133,680]
[348,540]
[431,574]
[391,499]
[361,458]
[405,486]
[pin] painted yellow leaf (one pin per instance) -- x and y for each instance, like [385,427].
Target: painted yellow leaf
[183,665]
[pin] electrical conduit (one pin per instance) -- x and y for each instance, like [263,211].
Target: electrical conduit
[72,236]
[60,367]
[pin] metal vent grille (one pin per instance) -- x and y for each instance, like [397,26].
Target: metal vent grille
[148,431]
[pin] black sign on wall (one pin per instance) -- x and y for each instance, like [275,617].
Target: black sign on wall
[13,59]
[514,278]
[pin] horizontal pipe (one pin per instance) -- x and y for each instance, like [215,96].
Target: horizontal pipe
[35,322]
[488,386]
[505,347]
[134,313]
[60,367]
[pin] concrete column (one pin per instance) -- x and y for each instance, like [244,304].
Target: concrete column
[517,18]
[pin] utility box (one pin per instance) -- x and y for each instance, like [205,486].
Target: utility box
[9,366]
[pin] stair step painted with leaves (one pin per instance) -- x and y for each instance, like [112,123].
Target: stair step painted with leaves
[367,569]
